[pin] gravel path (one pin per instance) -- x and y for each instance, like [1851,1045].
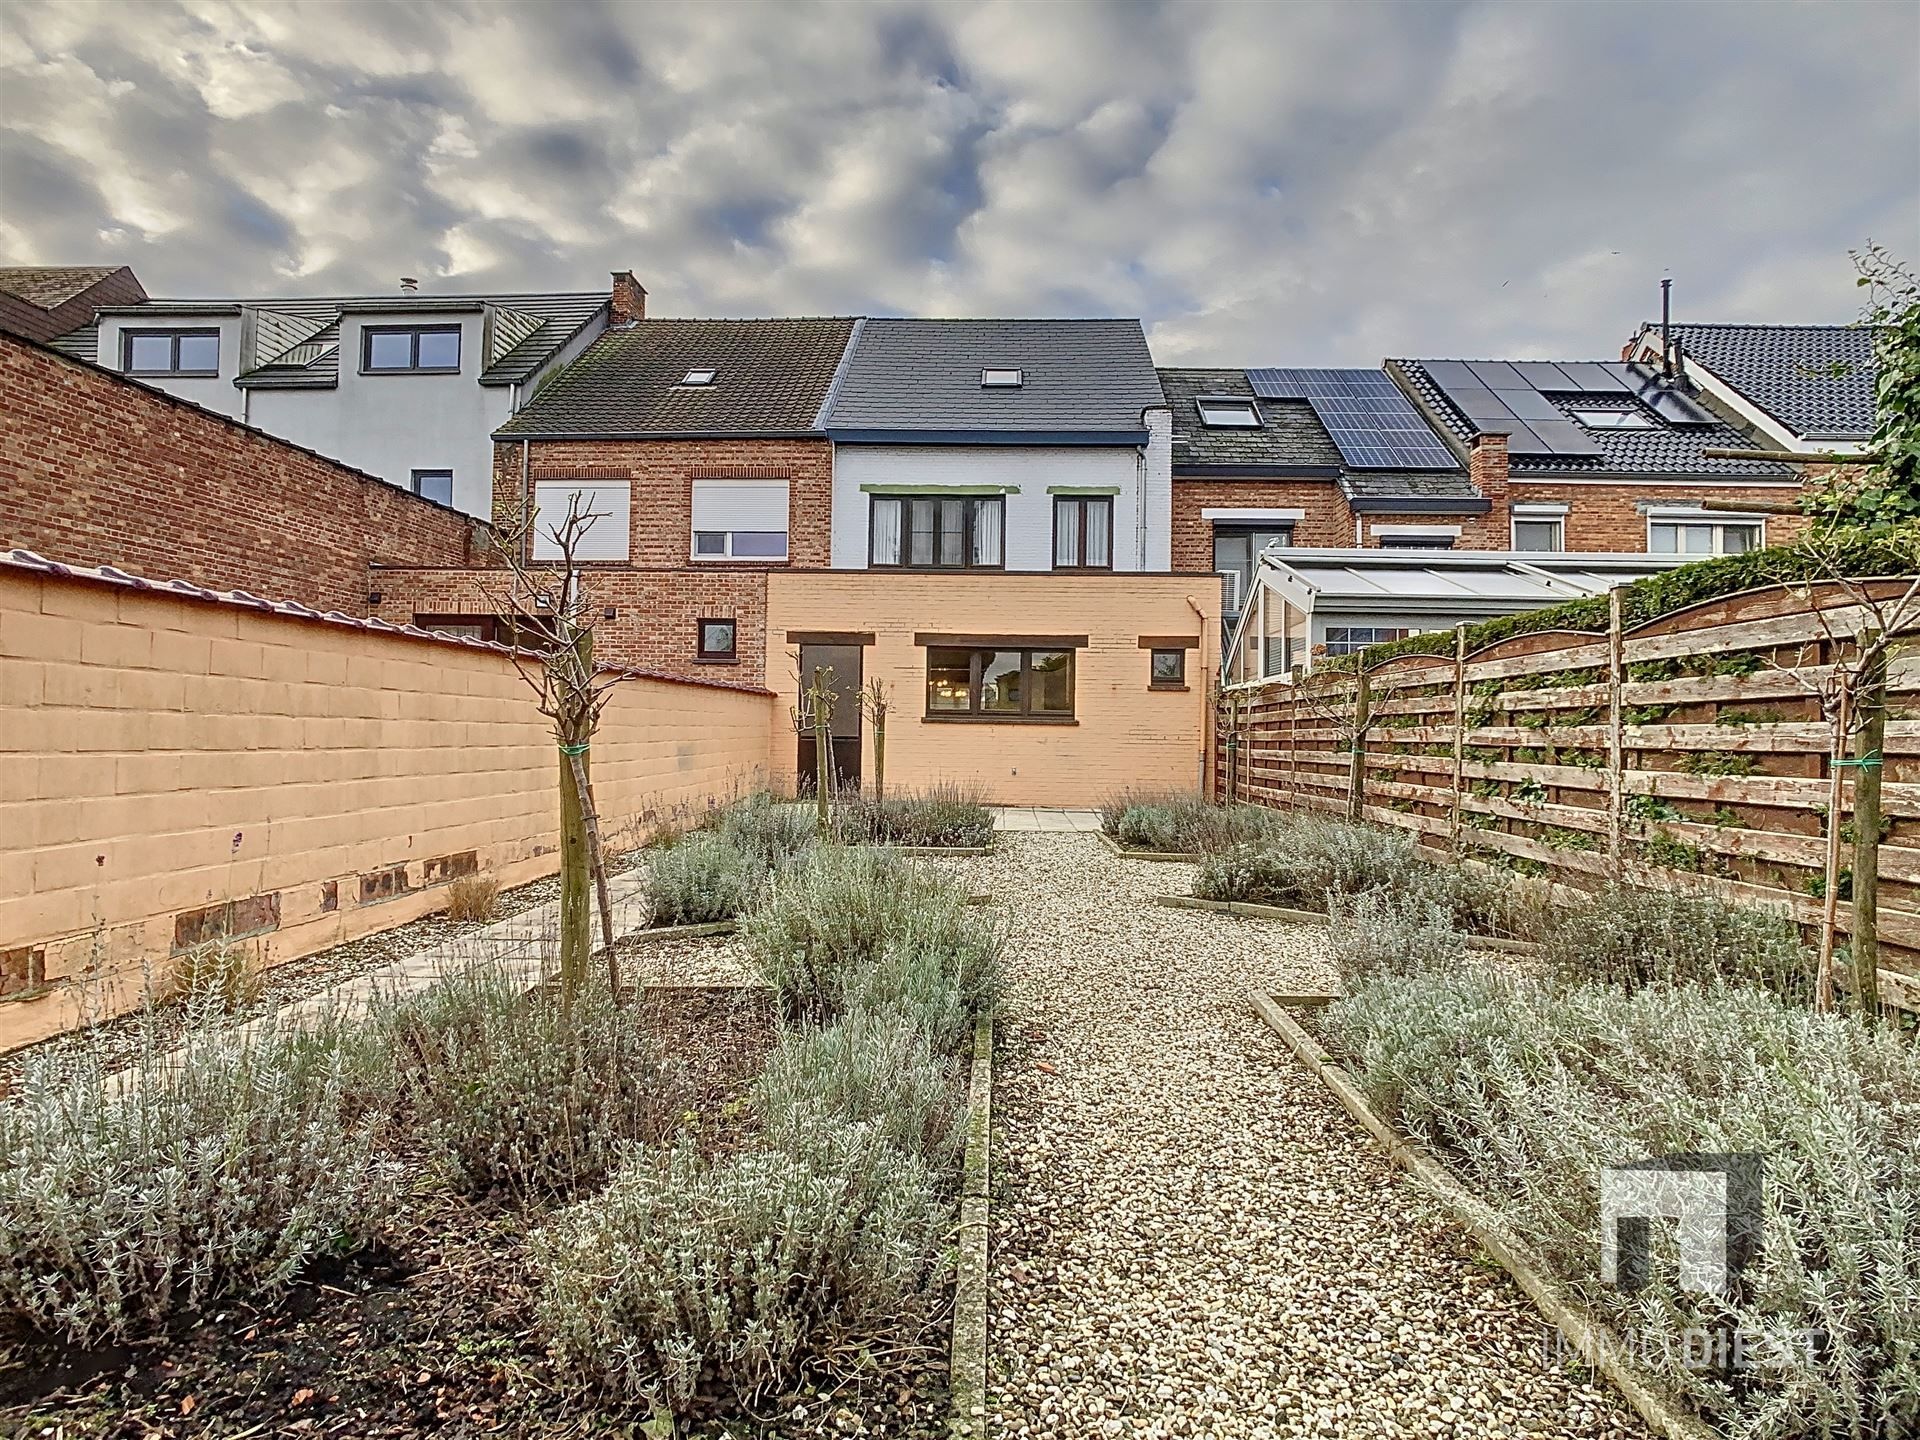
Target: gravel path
[1191,1237]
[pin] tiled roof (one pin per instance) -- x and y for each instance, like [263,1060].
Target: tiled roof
[1084,378]
[770,377]
[51,285]
[1817,380]
[1661,451]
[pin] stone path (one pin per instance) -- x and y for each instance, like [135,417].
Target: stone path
[1016,819]
[1191,1237]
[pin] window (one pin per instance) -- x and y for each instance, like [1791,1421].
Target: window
[1705,537]
[1613,419]
[170,352]
[1083,532]
[603,504]
[389,349]
[1352,639]
[467,627]
[937,532]
[1168,668]
[740,520]
[1539,532]
[998,378]
[999,684]
[718,640]
[1236,550]
[434,485]
[697,377]
[1228,412]
[1404,540]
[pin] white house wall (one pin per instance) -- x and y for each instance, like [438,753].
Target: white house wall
[213,392]
[1029,471]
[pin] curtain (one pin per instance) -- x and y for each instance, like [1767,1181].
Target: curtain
[1099,533]
[987,516]
[886,531]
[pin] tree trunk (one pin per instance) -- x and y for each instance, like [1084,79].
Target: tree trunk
[880,759]
[1871,706]
[597,858]
[576,885]
[1830,903]
[822,697]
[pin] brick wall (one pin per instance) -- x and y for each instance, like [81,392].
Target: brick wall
[1609,518]
[1328,522]
[99,470]
[172,769]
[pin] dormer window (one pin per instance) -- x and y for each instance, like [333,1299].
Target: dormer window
[1001,378]
[1613,419]
[170,352]
[702,376]
[1228,412]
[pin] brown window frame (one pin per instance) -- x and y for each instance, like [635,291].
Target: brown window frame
[1179,680]
[975,715]
[174,335]
[969,504]
[1077,505]
[729,656]
[367,332]
[491,627]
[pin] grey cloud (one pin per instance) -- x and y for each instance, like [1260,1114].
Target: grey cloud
[1302,183]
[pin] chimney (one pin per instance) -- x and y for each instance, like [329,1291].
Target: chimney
[629,299]
[409,285]
[1666,327]
[1487,468]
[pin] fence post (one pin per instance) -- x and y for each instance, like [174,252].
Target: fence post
[1871,707]
[1616,732]
[1459,727]
[1357,765]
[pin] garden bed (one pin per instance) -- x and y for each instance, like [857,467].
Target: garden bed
[1249,911]
[1167,856]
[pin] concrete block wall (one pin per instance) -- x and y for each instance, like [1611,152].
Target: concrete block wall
[173,770]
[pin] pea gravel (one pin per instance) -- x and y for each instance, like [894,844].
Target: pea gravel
[1190,1236]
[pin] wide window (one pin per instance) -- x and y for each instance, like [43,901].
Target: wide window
[1352,639]
[937,532]
[170,352]
[1083,532]
[1704,537]
[434,485]
[603,508]
[739,519]
[996,684]
[391,349]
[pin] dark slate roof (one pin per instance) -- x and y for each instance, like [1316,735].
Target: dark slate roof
[1665,450]
[1817,380]
[772,378]
[919,380]
[51,285]
[1291,440]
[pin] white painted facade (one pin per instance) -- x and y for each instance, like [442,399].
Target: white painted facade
[1139,477]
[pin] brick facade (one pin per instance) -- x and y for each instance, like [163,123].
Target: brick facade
[1613,517]
[1328,521]
[100,470]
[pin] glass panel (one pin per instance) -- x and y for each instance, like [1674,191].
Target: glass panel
[389,350]
[199,352]
[440,350]
[149,352]
[949,676]
[1169,666]
[710,542]
[1066,532]
[1536,534]
[1000,681]
[434,485]
[886,532]
[1050,673]
[1666,540]
[920,539]
[1099,533]
[716,637]
[953,532]
[1739,539]
[1698,539]
[760,544]
[1263,538]
[987,517]
[1230,550]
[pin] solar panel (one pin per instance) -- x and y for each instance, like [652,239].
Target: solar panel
[1375,426]
[1663,399]
[1497,395]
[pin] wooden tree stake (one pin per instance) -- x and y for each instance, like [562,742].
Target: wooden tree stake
[1870,707]
[1357,765]
[1459,730]
[1616,727]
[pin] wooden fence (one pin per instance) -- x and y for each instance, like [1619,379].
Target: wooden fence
[1693,750]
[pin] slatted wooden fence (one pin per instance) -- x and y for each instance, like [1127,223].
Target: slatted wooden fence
[1690,750]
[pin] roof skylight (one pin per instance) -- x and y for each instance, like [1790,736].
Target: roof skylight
[698,377]
[1001,377]
[1613,419]
[1228,412]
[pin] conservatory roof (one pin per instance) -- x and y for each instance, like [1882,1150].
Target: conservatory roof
[1493,582]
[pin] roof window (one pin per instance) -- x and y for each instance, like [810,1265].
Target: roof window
[1613,419]
[1002,377]
[698,377]
[1228,412]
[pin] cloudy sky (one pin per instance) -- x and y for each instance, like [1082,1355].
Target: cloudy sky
[1279,183]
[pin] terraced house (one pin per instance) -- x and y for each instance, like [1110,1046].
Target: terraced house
[972,513]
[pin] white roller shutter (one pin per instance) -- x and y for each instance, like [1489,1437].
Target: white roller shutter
[740,505]
[604,538]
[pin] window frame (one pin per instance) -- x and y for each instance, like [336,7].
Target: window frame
[1383,635]
[173,334]
[1179,679]
[710,376]
[1558,522]
[1636,419]
[446,470]
[726,555]
[975,715]
[988,382]
[368,332]
[969,504]
[1247,403]
[706,656]
[1078,506]
[1716,525]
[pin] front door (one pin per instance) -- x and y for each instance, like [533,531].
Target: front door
[838,666]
